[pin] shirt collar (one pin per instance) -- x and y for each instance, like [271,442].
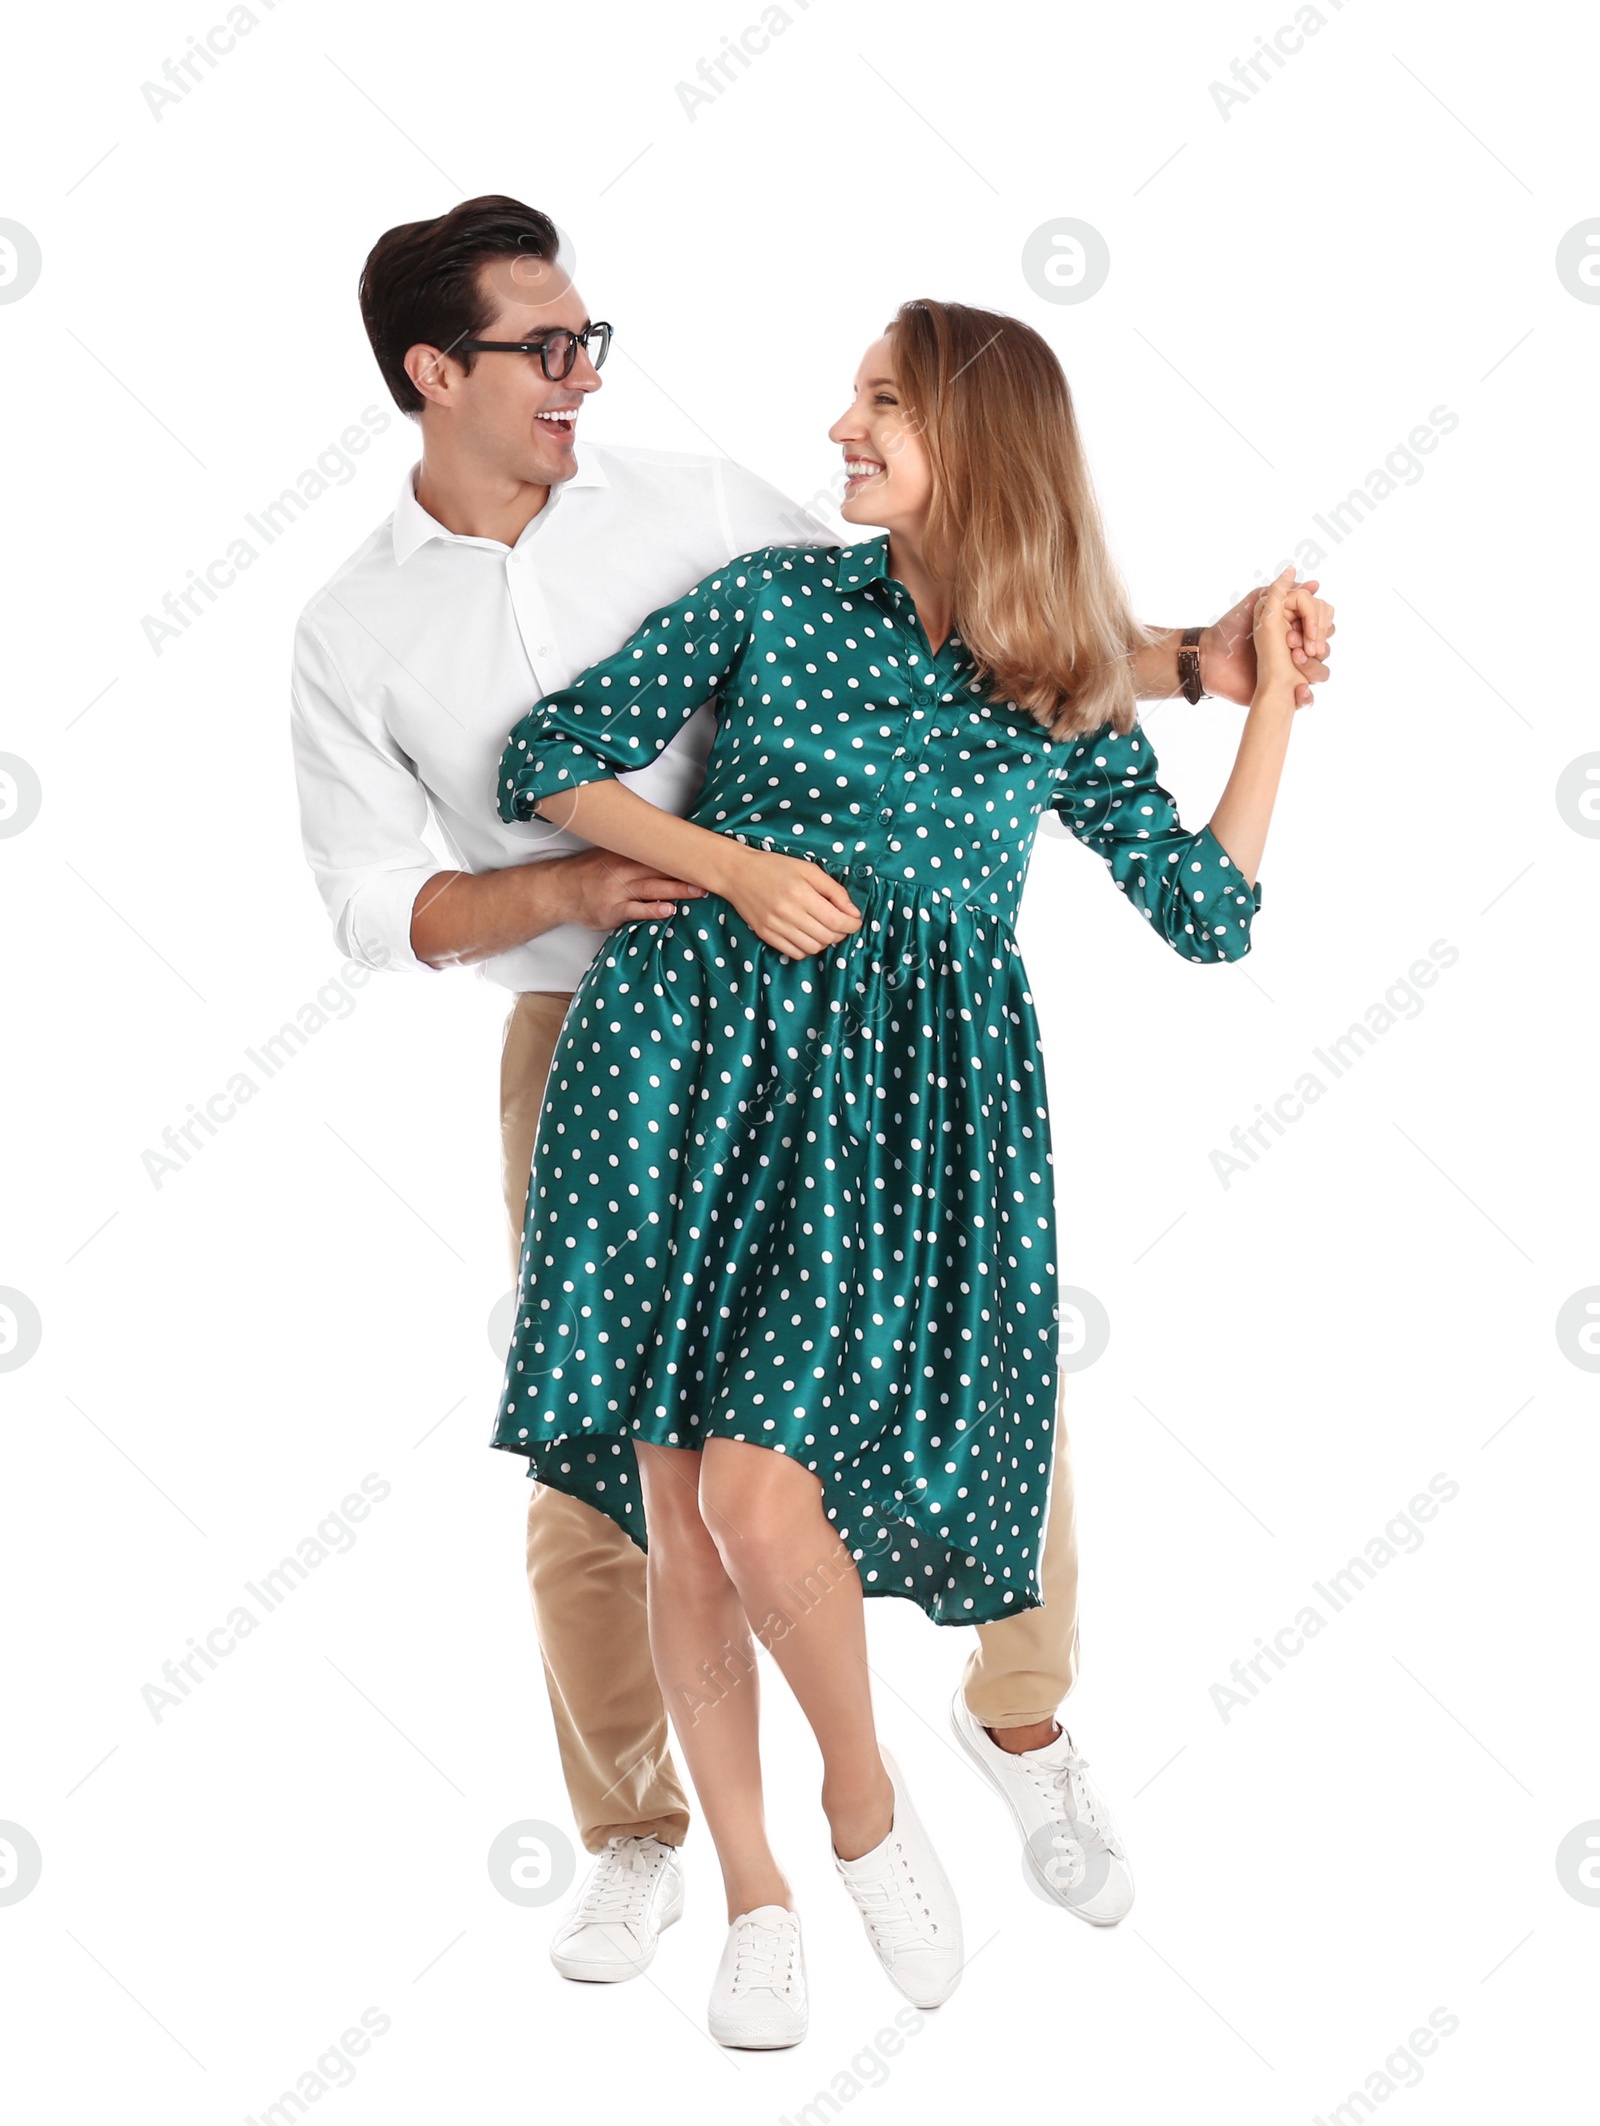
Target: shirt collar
[413,527]
[865,562]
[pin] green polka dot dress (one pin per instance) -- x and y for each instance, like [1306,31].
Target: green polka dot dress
[808,1202]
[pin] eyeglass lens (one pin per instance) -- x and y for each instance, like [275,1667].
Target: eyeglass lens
[560,349]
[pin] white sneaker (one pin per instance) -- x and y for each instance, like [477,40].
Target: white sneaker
[634,1890]
[758,1999]
[1069,1842]
[907,1905]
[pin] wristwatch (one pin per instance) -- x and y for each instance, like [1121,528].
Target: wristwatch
[1189,665]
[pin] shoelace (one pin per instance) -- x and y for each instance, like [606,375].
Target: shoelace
[756,1952]
[1068,1791]
[886,1906]
[621,1883]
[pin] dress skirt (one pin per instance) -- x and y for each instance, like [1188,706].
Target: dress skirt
[805,1203]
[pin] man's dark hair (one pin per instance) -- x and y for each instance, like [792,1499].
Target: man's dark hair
[420,283]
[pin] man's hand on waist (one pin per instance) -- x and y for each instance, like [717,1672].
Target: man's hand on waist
[462,917]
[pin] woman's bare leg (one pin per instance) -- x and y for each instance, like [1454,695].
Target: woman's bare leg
[802,1595]
[705,1662]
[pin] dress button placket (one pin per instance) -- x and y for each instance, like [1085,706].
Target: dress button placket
[922,685]
[917,690]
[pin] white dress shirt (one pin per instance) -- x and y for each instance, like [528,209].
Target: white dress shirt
[416,658]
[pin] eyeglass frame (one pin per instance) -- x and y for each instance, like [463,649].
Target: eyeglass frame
[541,346]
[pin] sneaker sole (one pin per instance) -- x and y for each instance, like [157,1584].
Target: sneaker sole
[753,2041]
[1089,1918]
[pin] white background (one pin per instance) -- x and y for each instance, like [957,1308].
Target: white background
[1294,286]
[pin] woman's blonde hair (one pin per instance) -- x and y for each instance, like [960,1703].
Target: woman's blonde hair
[1014,526]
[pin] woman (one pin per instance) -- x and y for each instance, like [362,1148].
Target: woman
[787,1307]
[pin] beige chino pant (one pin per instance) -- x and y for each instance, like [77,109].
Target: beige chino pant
[587,1578]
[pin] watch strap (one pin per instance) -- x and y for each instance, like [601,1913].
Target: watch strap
[1189,665]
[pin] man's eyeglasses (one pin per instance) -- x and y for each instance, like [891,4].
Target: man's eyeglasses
[557,351]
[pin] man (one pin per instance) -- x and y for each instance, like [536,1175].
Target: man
[512,560]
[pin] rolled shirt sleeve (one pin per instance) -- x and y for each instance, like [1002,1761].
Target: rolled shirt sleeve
[622,713]
[1185,885]
[362,811]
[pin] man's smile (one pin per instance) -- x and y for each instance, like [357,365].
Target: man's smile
[558,421]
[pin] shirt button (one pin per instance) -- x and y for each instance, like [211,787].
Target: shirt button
[886,815]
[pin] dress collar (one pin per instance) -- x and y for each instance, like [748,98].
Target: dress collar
[413,527]
[868,562]
[865,562]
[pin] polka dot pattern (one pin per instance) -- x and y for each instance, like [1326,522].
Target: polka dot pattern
[808,1203]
